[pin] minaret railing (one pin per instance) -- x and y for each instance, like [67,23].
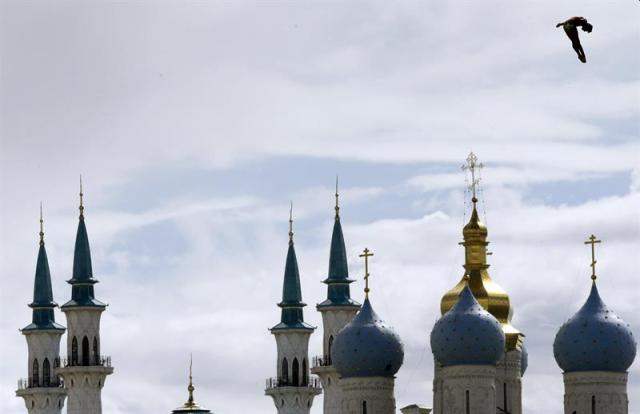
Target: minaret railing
[27,383]
[322,361]
[95,361]
[271,383]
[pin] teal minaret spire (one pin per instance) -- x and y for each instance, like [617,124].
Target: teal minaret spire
[82,281]
[43,304]
[292,315]
[338,292]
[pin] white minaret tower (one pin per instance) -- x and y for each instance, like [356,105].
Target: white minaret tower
[337,311]
[84,370]
[367,354]
[42,390]
[595,348]
[292,390]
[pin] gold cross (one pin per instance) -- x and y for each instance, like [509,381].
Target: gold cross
[472,165]
[366,254]
[592,241]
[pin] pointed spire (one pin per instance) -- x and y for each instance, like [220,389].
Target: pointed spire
[337,207]
[43,303]
[191,406]
[190,388]
[82,281]
[292,316]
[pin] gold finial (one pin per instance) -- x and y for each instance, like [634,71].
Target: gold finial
[473,165]
[337,205]
[291,224]
[81,198]
[592,241]
[41,227]
[366,254]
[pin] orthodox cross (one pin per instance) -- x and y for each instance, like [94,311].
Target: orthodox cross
[592,241]
[366,254]
[472,165]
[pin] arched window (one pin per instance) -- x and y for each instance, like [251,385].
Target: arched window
[35,373]
[329,348]
[96,351]
[85,351]
[74,351]
[295,373]
[468,403]
[593,404]
[46,373]
[504,406]
[305,380]
[285,372]
[364,407]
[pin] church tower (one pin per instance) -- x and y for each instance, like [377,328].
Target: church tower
[292,390]
[595,348]
[84,370]
[337,310]
[367,354]
[495,300]
[42,390]
[467,342]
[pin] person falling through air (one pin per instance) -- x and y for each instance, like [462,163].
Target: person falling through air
[571,29]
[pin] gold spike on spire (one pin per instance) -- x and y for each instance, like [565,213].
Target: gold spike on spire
[190,387]
[337,208]
[291,224]
[81,198]
[366,254]
[41,227]
[476,275]
[593,241]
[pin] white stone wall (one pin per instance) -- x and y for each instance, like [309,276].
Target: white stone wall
[43,400]
[293,400]
[292,344]
[333,320]
[476,380]
[437,387]
[376,392]
[508,372]
[607,389]
[81,322]
[43,344]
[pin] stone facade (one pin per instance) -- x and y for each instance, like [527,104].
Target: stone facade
[595,392]
[464,387]
[368,395]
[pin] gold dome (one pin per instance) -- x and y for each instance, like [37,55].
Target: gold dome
[488,293]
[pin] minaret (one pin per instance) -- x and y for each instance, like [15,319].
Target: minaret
[467,342]
[191,406]
[595,348]
[367,355]
[42,390]
[337,310]
[494,299]
[84,370]
[292,390]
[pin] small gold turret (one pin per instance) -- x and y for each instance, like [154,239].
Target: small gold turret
[488,293]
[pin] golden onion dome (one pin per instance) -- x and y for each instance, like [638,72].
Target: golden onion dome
[488,293]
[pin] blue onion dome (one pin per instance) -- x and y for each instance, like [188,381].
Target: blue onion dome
[594,339]
[367,347]
[524,360]
[467,334]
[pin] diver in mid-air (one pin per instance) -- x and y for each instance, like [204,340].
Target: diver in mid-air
[570,27]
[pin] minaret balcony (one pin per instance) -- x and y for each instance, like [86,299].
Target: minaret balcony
[274,383]
[95,361]
[322,361]
[28,383]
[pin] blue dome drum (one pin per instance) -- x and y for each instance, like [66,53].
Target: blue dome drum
[594,339]
[467,334]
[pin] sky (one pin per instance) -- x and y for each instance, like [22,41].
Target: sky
[194,124]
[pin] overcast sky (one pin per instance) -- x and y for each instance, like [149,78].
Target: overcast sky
[194,124]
